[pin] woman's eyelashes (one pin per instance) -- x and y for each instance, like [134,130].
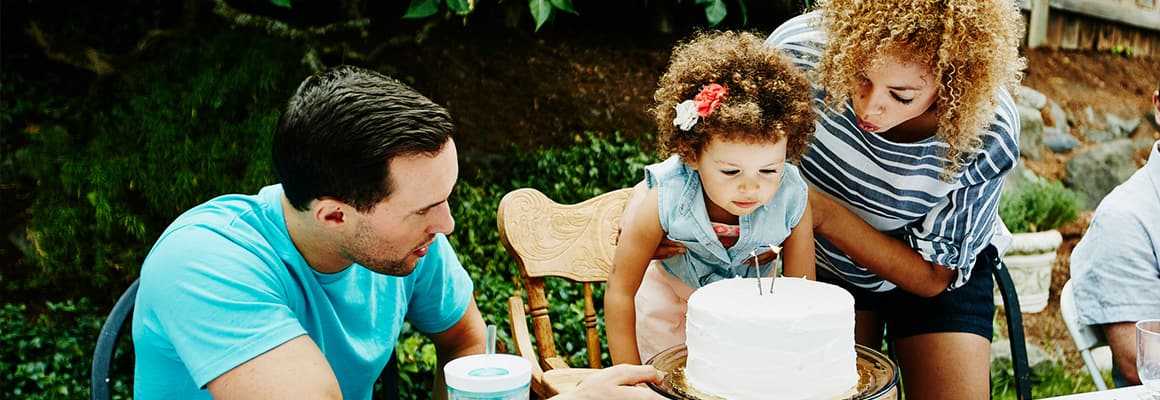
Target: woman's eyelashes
[900,99]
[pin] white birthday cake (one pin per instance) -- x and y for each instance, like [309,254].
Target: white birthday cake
[794,342]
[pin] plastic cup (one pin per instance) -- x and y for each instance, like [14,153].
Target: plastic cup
[488,377]
[1148,355]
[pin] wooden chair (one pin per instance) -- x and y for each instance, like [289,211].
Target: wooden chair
[570,241]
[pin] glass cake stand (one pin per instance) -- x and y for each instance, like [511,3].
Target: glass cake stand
[877,376]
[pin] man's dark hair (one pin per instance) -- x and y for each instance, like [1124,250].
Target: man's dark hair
[342,128]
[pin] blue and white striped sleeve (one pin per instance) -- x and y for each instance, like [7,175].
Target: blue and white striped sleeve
[959,228]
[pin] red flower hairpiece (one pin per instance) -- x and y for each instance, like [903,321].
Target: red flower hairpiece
[709,99]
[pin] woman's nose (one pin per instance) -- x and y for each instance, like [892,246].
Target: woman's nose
[875,103]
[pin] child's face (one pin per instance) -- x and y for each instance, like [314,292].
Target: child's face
[738,177]
[892,91]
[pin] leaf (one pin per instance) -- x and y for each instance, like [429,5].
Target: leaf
[281,3]
[541,10]
[715,12]
[564,5]
[460,7]
[744,12]
[422,9]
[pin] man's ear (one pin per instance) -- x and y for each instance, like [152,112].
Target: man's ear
[330,212]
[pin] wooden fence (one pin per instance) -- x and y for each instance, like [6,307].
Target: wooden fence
[1098,25]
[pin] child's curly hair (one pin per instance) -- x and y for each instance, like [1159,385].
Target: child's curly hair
[767,98]
[972,46]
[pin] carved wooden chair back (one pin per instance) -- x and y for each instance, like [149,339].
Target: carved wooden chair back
[570,241]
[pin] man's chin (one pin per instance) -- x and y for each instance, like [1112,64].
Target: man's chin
[399,268]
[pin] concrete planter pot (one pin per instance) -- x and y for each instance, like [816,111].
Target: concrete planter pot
[1029,261]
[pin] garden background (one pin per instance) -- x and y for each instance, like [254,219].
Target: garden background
[116,117]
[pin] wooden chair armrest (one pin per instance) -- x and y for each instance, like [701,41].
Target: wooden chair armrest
[565,379]
[521,336]
[556,363]
[522,340]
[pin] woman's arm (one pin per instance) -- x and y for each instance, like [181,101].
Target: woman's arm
[639,236]
[798,249]
[883,255]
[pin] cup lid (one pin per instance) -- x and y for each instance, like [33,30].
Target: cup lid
[487,373]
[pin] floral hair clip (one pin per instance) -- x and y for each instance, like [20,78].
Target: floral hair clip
[691,111]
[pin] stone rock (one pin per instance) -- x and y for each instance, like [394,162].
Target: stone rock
[1059,143]
[1058,117]
[1121,128]
[1030,133]
[1029,97]
[1018,177]
[1098,135]
[1096,170]
[1039,360]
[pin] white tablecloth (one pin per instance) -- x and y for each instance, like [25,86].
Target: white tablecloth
[1125,393]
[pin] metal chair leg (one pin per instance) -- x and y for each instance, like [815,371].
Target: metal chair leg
[1014,329]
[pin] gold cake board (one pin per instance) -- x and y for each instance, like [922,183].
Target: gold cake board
[877,376]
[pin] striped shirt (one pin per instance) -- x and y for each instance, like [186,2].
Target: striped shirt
[896,187]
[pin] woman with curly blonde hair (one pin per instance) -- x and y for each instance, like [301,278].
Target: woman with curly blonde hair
[916,133]
[733,115]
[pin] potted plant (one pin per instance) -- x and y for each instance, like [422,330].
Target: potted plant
[1032,212]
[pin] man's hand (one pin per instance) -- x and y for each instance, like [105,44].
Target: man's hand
[616,382]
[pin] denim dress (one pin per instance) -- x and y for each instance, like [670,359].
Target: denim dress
[661,300]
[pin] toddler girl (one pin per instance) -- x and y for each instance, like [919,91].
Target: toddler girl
[732,115]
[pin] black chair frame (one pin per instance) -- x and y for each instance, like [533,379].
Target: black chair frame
[106,348]
[107,343]
[1014,323]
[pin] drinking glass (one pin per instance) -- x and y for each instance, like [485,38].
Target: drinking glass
[1148,356]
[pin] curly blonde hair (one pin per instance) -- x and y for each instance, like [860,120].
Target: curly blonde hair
[767,98]
[972,46]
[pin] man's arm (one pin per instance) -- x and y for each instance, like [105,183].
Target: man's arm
[1122,339]
[295,369]
[466,337]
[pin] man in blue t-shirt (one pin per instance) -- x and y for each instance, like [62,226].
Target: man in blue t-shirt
[301,290]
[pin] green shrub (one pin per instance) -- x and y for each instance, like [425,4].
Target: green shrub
[48,350]
[147,147]
[1039,205]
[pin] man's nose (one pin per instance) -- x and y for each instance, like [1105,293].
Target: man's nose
[442,221]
